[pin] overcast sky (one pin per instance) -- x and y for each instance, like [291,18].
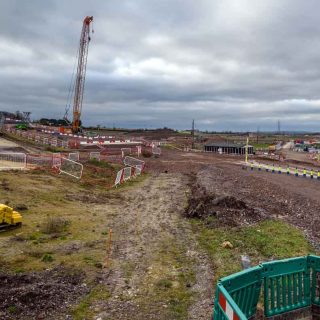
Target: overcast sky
[228,64]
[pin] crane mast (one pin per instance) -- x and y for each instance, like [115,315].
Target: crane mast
[81,73]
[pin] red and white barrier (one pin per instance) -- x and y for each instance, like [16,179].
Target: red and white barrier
[231,315]
[126,174]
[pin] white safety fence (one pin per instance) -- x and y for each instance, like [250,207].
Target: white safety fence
[74,156]
[119,178]
[13,160]
[43,160]
[156,151]
[139,151]
[56,160]
[71,168]
[95,155]
[138,170]
[133,162]
[17,160]
[125,151]
[126,174]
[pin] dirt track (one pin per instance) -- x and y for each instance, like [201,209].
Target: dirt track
[146,228]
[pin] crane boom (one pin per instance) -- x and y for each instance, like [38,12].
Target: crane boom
[81,73]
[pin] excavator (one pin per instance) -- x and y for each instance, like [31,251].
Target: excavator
[9,219]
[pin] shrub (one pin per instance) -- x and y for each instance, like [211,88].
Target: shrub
[47,258]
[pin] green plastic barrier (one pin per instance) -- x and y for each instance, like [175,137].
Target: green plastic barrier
[289,285]
[225,307]
[314,263]
[244,288]
[286,285]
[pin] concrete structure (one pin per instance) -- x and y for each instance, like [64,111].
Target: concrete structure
[229,148]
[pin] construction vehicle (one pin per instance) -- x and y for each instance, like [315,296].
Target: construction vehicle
[78,86]
[22,126]
[9,219]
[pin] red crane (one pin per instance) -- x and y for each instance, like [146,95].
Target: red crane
[81,73]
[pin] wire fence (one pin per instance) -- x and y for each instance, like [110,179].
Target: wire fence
[12,160]
[71,168]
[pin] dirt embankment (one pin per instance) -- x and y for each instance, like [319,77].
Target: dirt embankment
[227,209]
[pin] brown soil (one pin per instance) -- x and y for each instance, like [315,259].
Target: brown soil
[296,200]
[39,295]
[227,209]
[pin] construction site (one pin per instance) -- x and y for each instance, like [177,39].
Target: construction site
[116,223]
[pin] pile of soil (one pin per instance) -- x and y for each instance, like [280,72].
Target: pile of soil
[227,209]
[39,295]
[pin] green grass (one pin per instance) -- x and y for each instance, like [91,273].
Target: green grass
[132,182]
[45,197]
[128,268]
[267,240]
[47,258]
[168,282]
[170,146]
[100,163]
[83,310]
[260,145]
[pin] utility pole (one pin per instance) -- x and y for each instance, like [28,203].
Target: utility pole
[247,149]
[192,134]
[279,128]
[258,129]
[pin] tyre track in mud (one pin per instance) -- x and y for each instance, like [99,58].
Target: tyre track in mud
[151,214]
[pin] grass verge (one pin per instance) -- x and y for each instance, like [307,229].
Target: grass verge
[83,310]
[268,240]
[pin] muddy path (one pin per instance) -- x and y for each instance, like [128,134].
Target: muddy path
[157,270]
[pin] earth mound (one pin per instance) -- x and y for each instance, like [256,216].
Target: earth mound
[227,209]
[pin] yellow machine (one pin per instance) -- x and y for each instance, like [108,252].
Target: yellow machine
[9,218]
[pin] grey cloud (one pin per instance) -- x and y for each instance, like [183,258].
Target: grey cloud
[227,64]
